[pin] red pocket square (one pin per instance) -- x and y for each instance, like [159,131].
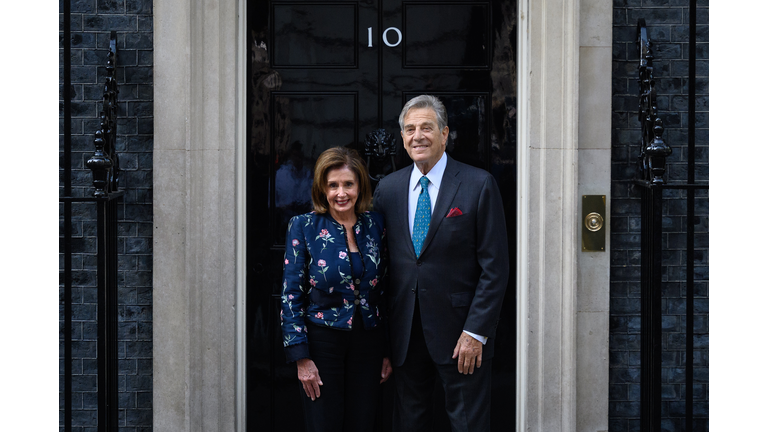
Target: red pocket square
[454,212]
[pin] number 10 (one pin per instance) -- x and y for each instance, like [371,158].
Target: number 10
[384,37]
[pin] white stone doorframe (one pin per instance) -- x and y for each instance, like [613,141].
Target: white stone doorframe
[199,215]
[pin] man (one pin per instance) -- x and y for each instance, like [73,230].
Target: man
[448,274]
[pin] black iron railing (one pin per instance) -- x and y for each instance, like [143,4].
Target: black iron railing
[105,166]
[651,179]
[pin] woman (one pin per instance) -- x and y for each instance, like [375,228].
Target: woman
[331,313]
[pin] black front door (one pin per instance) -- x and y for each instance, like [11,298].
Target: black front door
[326,73]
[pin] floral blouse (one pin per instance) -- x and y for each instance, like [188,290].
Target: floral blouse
[318,285]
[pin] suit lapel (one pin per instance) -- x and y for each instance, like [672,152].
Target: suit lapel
[449,185]
[401,209]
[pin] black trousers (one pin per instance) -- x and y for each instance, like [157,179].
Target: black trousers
[349,364]
[467,397]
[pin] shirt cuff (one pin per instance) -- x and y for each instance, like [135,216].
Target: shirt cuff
[482,339]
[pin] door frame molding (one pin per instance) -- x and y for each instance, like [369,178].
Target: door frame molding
[241,138]
[546,223]
[199,217]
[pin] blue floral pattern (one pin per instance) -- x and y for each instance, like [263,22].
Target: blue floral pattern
[318,285]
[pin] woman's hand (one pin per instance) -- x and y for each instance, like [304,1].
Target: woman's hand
[309,377]
[386,370]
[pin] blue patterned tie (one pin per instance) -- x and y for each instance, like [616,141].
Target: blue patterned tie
[423,215]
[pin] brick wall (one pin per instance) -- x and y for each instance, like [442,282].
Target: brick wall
[667,22]
[90,25]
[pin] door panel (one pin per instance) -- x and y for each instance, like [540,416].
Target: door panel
[302,142]
[315,35]
[326,73]
[446,35]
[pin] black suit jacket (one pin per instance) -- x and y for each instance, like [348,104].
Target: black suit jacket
[462,272]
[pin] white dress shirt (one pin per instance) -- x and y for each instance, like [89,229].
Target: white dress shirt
[435,176]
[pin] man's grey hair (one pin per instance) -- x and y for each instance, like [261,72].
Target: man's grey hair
[426,101]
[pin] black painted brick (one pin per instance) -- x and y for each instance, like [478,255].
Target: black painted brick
[111,6]
[83,109]
[141,109]
[624,341]
[619,289]
[617,424]
[144,161]
[139,313]
[670,358]
[138,382]
[669,31]
[624,409]
[143,400]
[129,161]
[626,33]
[650,3]
[144,295]
[84,418]
[144,366]
[127,58]
[144,58]
[90,25]
[139,212]
[138,278]
[619,17]
[618,391]
[138,75]
[700,392]
[90,400]
[141,40]
[145,91]
[144,331]
[625,273]
[126,330]
[126,400]
[140,144]
[670,391]
[109,23]
[90,331]
[634,358]
[625,3]
[82,40]
[668,50]
[90,295]
[80,6]
[617,358]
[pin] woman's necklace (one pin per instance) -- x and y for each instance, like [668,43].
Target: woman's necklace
[349,228]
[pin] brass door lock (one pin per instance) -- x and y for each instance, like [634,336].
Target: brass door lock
[593,228]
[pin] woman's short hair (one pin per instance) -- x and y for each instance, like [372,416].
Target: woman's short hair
[337,157]
[425,101]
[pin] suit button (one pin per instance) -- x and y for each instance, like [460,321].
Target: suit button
[418,263]
[357,292]
[357,301]
[357,281]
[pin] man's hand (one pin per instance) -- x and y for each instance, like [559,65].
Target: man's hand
[309,377]
[470,353]
[386,370]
